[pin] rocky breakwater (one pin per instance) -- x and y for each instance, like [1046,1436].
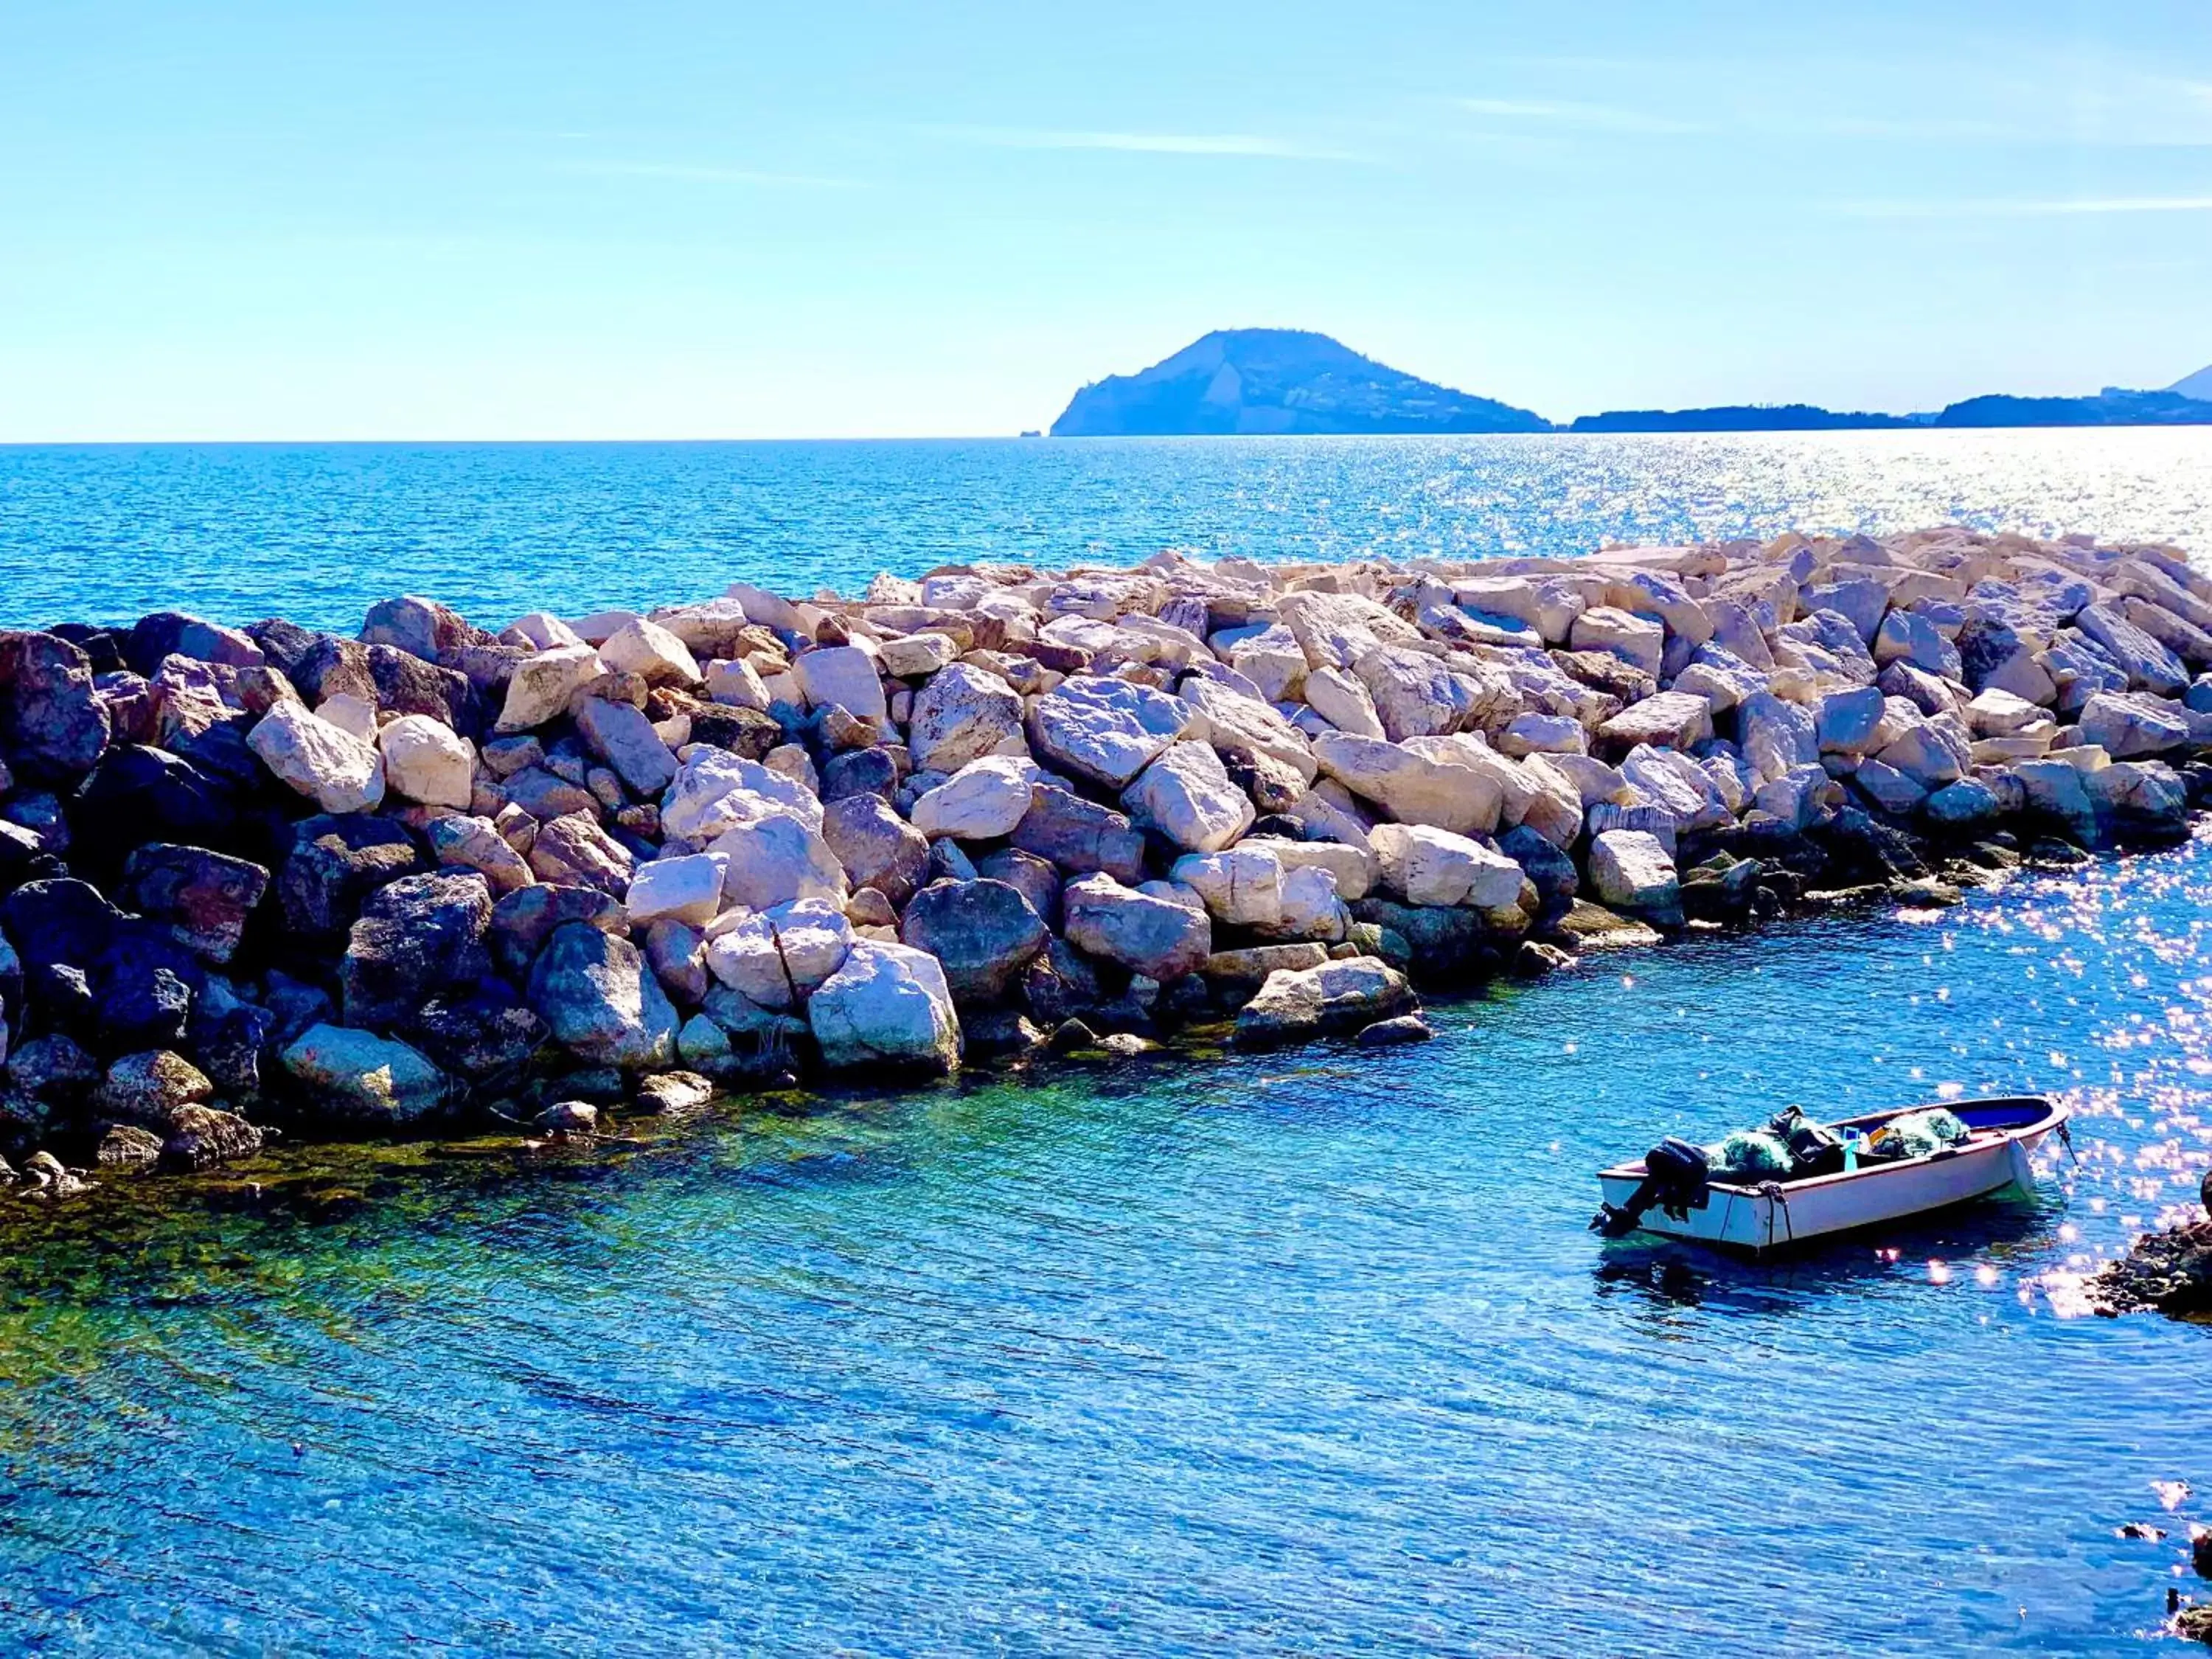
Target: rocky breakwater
[266,878]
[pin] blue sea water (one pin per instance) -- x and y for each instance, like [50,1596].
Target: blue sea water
[319,532]
[1307,1353]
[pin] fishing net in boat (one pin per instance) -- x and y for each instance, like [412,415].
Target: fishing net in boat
[1915,1134]
[1747,1154]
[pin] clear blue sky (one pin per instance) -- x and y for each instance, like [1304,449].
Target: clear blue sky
[473,220]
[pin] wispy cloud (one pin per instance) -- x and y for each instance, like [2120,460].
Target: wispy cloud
[1153,143]
[686,173]
[2026,209]
[1593,117]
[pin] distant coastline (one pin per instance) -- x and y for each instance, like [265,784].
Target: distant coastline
[1257,381]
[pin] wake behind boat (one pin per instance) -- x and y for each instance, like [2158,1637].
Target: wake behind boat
[1798,1180]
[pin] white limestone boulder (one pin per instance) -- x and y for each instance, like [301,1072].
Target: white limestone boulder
[652,653]
[540,686]
[963,714]
[333,769]
[686,889]
[1427,867]
[1186,796]
[1242,886]
[1630,870]
[775,859]
[887,1007]
[984,799]
[778,958]
[427,761]
[844,675]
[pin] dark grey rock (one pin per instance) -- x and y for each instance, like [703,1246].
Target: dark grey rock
[983,933]
[417,937]
[1080,836]
[878,847]
[335,863]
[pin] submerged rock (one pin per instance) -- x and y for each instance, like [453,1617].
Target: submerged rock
[360,1078]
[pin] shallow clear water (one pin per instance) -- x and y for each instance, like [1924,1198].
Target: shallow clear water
[319,532]
[1308,1354]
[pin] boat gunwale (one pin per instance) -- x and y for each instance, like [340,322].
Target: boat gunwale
[2055,1113]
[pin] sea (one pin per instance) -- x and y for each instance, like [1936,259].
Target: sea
[1308,1354]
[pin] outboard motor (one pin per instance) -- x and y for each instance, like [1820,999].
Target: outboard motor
[1676,1177]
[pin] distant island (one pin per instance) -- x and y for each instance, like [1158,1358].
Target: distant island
[1734,418]
[1282,380]
[1266,380]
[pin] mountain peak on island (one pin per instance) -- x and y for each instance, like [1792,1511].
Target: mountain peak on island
[1263,381]
[2197,385]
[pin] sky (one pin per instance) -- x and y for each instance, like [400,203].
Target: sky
[338,220]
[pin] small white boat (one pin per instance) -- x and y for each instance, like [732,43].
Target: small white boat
[2001,1135]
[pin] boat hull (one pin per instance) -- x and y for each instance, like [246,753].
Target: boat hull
[1776,1215]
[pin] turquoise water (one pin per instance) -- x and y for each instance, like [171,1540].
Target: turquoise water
[321,533]
[1300,1354]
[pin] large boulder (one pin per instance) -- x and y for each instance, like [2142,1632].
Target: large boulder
[877,847]
[1913,636]
[2149,665]
[983,801]
[2126,725]
[983,933]
[844,675]
[686,889]
[1242,886]
[1233,720]
[620,734]
[541,685]
[1105,729]
[1777,737]
[575,851]
[523,920]
[481,1031]
[335,863]
[427,761]
[201,1137]
[887,1007]
[1849,722]
[655,654]
[150,1088]
[1417,694]
[51,724]
[462,842]
[777,859]
[1413,787]
[599,1000]
[417,937]
[2055,792]
[1187,798]
[1080,836]
[1150,936]
[205,897]
[963,714]
[359,1078]
[138,794]
[1669,719]
[332,768]
[715,789]
[1299,1003]
[1631,871]
[1428,867]
[1640,640]
[777,957]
